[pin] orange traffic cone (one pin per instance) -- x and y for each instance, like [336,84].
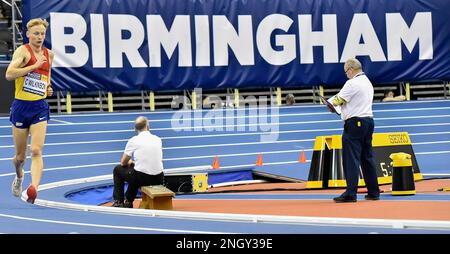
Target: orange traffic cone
[259,161]
[215,164]
[302,157]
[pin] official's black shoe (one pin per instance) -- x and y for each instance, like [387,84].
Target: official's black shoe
[370,197]
[117,203]
[128,204]
[344,199]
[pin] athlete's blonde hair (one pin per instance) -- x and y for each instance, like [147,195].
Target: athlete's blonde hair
[36,22]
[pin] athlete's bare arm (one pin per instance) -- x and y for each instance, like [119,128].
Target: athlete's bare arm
[20,58]
[49,87]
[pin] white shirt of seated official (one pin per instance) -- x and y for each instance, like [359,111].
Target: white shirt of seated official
[146,151]
[358,94]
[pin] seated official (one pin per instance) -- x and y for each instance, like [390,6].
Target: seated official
[389,96]
[290,99]
[141,165]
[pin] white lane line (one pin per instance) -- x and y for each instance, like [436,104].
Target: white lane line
[191,157]
[432,142]
[236,134]
[167,159]
[169,171]
[197,136]
[170,112]
[174,147]
[212,145]
[436,152]
[216,145]
[220,116]
[318,221]
[71,154]
[111,226]
[241,144]
[68,167]
[429,133]
[274,152]
[60,121]
[221,127]
[376,104]
[287,132]
[186,169]
[77,133]
[409,109]
[265,164]
[77,143]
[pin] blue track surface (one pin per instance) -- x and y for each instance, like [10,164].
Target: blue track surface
[86,145]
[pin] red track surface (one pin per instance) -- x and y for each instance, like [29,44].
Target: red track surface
[382,209]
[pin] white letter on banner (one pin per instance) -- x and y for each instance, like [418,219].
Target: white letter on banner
[60,40]
[98,39]
[265,29]
[225,35]
[327,38]
[362,27]
[130,46]
[202,52]
[179,35]
[397,31]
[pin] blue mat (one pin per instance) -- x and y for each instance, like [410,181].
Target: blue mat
[101,194]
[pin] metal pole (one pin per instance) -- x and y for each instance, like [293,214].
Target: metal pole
[16,23]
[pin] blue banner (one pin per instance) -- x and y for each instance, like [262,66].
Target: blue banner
[118,45]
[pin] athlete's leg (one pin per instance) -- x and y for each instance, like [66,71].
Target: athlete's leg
[20,137]
[37,132]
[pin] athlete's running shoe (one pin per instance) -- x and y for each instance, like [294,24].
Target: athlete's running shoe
[31,193]
[16,186]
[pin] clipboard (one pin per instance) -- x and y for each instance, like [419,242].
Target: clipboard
[330,106]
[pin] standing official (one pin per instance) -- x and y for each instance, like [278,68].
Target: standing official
[355,99]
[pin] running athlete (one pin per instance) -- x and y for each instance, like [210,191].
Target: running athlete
[30,67]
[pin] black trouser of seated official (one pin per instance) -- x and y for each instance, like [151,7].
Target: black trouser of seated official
[135,180]
[357,150]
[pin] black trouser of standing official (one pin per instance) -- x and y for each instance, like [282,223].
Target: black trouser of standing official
[356,151]
[135,180]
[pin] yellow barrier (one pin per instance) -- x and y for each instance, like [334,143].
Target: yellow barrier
[402,175]
[279,100]
[69,103]
[327,170]
[110,102]
[194,100]
[152,101]
[408,92]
